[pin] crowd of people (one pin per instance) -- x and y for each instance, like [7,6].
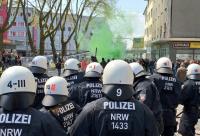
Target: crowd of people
[114,97]
[8,59]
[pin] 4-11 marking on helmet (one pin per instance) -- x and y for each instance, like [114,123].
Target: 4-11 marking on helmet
[19,83]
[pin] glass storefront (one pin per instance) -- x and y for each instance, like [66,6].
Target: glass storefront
[160,51]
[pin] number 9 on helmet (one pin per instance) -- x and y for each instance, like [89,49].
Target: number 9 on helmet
[117,80]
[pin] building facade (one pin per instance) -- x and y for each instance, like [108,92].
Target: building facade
[172,29]
[17,34]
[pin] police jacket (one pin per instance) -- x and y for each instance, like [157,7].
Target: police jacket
[104,117]
[64,113]
[74,79]
[147,92]
[41,80]
[169,89]
[28,122]
[87,91]
[190,95]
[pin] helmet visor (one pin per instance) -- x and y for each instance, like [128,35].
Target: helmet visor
[165,71]
[194,77]
[52,100]
[38,70]
[142,73]
[68,72]
[92,74]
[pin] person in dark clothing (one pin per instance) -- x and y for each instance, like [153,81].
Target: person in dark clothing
[71,73]
[18,89]
[108,60]
[190,99]
[39,68]
[169,90]
[117,113]
[59,66]
[146,92]
[94,59]
[103,63]
[90,89]
[57,104]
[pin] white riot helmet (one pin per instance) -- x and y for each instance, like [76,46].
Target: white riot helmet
[193,72]
[71,66]
[94,69]
[17,88]
[164,66]
[117,80]
[39,64]
[55,91]
[137,69]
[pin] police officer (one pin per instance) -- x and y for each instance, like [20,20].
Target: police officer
[118,113]
[39,68]
[17,118]
[56,102]
[90,89]
[146,92]
[71,72]
[169,90]
[190,99]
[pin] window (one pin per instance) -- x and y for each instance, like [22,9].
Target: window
[160,31]
[21,34]
[165,29]
[14,33]
[21,24]
[69,29]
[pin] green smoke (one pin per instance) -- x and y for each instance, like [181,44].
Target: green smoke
[108,37]
[107,46]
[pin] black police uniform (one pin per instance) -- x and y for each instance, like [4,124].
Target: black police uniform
[190,99]
[74,78]
[146,92]
[117,117]
[169,90]
[87,91]
[28,122]
[41,80]
[65,113]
